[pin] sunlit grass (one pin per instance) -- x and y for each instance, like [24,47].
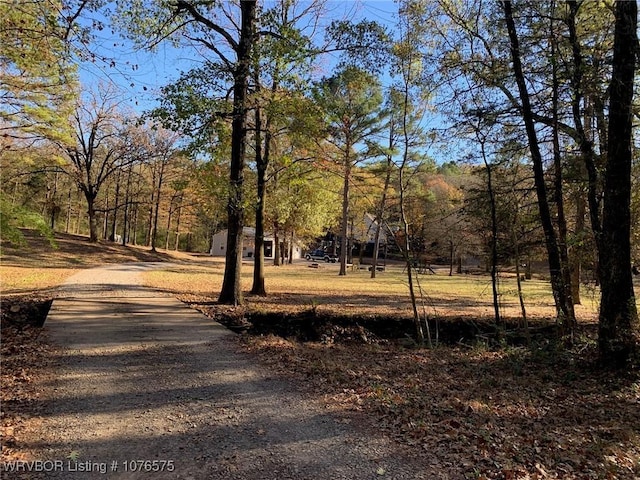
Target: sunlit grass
[299,286]
[289,287]
[21,279]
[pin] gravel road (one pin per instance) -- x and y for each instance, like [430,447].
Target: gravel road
[146,388]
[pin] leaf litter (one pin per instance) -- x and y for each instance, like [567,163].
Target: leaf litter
[494,414]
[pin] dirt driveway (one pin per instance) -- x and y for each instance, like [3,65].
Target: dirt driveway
[148,388]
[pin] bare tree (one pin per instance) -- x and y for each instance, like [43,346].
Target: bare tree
[157,149]
[98,150]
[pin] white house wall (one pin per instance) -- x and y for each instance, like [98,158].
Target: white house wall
[219,244]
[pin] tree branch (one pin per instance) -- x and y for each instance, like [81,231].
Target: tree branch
[215,49]
[182,5]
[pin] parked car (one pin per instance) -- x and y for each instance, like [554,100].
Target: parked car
[319,254]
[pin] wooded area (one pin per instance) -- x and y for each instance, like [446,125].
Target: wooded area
[487,135]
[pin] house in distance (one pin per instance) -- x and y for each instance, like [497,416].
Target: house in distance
[219,245]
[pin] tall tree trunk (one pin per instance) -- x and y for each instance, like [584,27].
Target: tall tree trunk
[408,260]
[91,213]
[231,292]
[147,238]
[177,241]
[169,215]
[577,250]
[291,242]
[262,159]
[584,142]
[276,244]
[156,207]
[114,220]
[406,244]
[68,221]
[351,241]
[156,214]
[283,249]
[561,220]
[78,216]
[555,267]
[105,220]
[516,254]
[344,228]
[381,208]
[154,224]
[125,216]
[618,322]
[135,224]
[494,233]
[494,248]
[52,202]
[452,253]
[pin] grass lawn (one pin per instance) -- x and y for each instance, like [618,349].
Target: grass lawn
[298,286]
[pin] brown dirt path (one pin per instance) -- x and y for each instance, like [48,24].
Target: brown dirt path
[141,378]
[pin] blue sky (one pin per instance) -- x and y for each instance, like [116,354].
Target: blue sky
[140,74]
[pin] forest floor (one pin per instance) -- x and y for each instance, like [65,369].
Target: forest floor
[474,407]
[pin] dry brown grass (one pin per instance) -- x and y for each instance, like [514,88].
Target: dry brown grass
[293,288]
[20,280]
[40,265]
